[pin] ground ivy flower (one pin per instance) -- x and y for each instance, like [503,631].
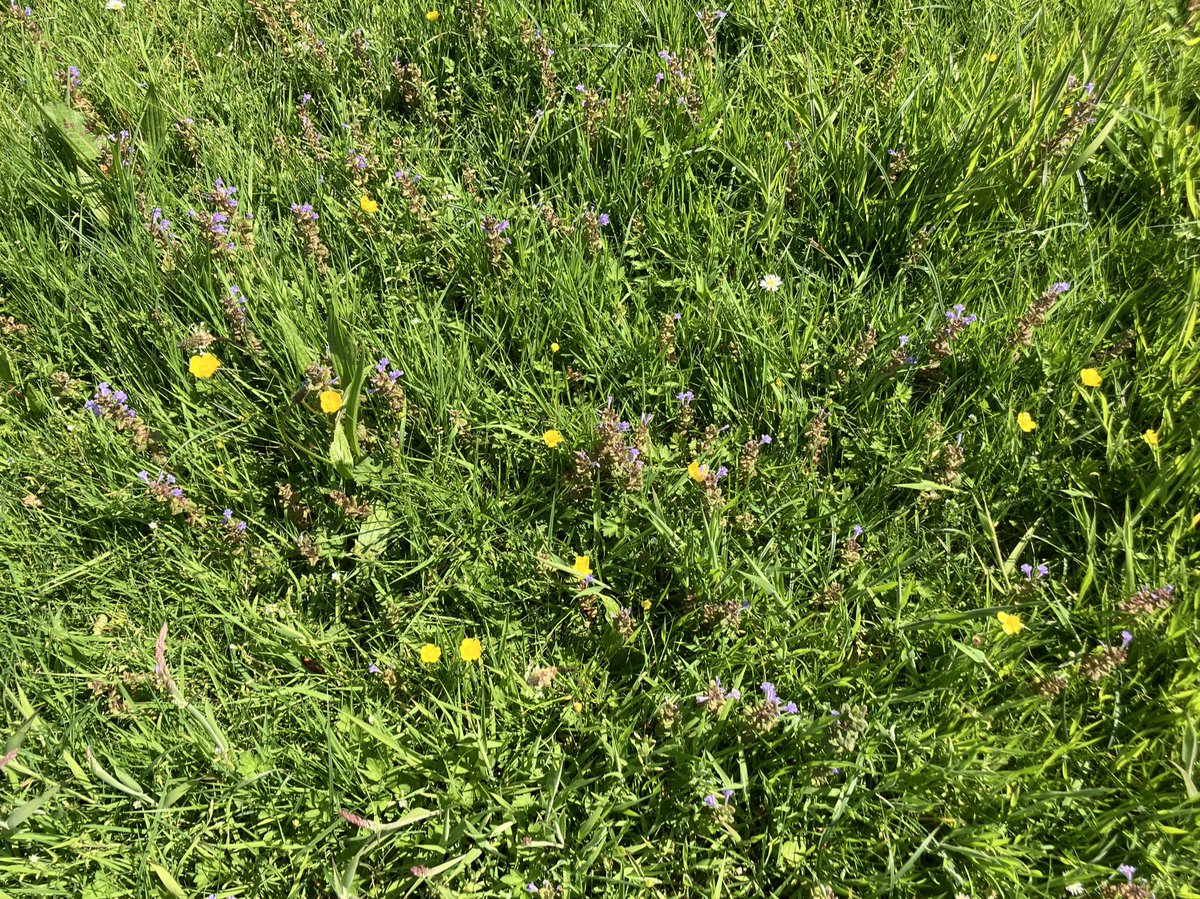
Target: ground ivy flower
[552,438]
[1150,436]
[1025,422]
[1090,377]
[1012,624]
[367,205]
[470,650]
[204,365]
[331,401]
[771,283]
[431,654]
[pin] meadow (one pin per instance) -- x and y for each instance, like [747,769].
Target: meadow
[599,449]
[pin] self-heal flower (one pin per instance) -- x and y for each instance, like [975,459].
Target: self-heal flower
[771,283]
[1090,377]
[1128,871]
[470,650]
[552,438]
[203,365]
[1126,639]
[685,397]
[1011,624]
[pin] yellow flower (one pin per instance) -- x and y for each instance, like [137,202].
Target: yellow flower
[1012,624]
[697,471]
[204,365]
[470,649]
[1025,422]
[431,654]
[554,347]
[331,401]
[369,206]
[552,438]
[1151,437]
[1067,110]
[1090,377]
[432,16]
[646,604]
[991,57]
[582,566]
[577,706]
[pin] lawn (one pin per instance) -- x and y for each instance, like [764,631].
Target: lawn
[599,449]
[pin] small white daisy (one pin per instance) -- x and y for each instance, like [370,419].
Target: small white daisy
[771,283]
[1075,889]
[114,5]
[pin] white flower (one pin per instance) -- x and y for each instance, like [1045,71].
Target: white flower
[114,5]
[1075,889]
[771,283]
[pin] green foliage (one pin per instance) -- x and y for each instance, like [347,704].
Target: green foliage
[888,161]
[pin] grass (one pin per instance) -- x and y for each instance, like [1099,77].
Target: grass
[887,161]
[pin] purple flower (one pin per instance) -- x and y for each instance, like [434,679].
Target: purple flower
[531,888]
[581,87]
[227,515]
[728,794]
[662,54]
[659,77]
[903,340]
[685,397]
[602,220]
[1128,871]
[645,419]
[734,694]
[722,472]
[764,439]
[857,531]
[1043,570]
[710,800]
[1126,639]
[372,668]
[768,689]
[1027,570]
[1060,287]
[791,708]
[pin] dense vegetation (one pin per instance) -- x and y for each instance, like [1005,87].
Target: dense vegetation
[599,449]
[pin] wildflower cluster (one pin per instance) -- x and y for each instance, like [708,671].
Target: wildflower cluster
[309,135]
[24,15]
[164,489]
[1036,313]
[493,236]
[1077,110]
[1148,600]
[709,19]
[222,226]
[233,306]
[533,39]
[407,181]
[940,346]
[113,406]
[306,218]
[385,382]
[714,698]
[592,223]
[767,714]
